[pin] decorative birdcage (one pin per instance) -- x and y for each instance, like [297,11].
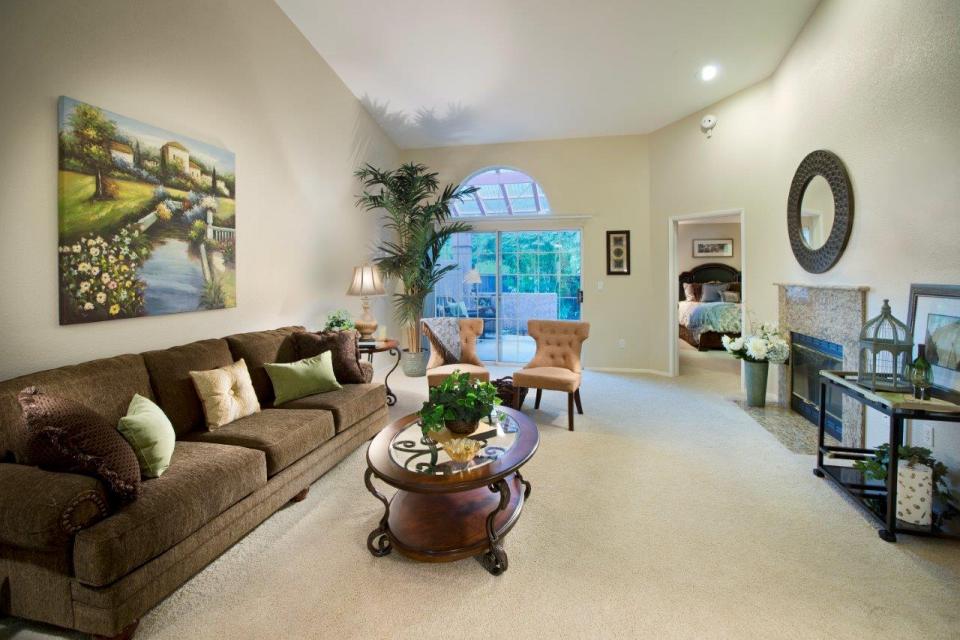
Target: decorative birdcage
[885,353]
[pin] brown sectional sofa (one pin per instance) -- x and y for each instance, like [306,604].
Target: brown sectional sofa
[72,558]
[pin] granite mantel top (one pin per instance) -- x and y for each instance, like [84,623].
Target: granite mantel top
[840,287]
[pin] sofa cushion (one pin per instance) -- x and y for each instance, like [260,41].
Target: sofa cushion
[283,436]
[203,480]
[170,376]
[292,380]
[349,405]
[225,393]
[259,347]
[64,435]
[344,348]
[106,386]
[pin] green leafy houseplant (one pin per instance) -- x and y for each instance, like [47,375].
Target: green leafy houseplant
[339,320]
[418,215]
[876,468]
[458,402]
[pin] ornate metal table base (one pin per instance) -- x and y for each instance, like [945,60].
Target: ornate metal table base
[391,396]
[416,524]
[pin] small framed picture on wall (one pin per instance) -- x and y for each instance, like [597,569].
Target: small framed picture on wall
[714,248]
[618,253]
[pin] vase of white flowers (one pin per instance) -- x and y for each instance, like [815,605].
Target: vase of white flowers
[758,349]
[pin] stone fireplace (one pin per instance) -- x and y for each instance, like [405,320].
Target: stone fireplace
[824,323]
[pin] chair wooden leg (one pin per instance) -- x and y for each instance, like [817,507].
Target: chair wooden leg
[570,411]
[576,398]
[516,397]
[536,405]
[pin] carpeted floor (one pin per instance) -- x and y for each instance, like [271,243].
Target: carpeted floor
[669,513]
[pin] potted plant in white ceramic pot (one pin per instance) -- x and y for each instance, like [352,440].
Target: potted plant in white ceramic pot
[339,320]
[758,348]
[418,215]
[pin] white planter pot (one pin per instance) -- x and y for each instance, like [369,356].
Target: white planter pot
[915,494]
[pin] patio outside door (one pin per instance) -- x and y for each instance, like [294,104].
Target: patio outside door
[507,278]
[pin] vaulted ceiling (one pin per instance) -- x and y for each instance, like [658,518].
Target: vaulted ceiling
[448,72]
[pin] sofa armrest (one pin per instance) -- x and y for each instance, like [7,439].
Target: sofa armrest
[367,369]
[44,509]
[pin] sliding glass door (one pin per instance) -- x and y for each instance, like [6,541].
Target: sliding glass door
[507,278]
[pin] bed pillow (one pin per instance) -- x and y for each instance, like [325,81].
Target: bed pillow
[64,435]
[226,394]
[692,291]
[712,291]
[730,296]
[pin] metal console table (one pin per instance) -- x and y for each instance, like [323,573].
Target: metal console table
[878,498]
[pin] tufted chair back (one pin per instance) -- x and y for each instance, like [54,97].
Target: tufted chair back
[470,330]
[559,343]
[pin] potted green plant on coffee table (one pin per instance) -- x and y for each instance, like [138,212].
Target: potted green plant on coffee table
[457,404]
[418,216]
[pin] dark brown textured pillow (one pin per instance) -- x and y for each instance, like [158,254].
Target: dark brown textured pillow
[692,291]
[343,346]
[63,435]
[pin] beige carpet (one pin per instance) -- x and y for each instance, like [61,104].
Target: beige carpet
[669,513]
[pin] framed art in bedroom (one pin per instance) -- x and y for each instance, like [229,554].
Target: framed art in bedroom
[934,321]
[618,253]
[713,248]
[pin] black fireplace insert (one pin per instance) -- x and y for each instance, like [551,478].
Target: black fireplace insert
[808,356]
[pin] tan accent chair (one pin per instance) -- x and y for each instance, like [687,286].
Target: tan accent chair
[437,371]
[556,364]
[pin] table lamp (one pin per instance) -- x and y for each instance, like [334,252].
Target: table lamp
[366,282]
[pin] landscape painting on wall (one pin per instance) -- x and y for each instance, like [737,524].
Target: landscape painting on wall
[147,219]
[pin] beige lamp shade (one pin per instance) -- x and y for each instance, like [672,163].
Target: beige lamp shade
[366,281]
[472,277]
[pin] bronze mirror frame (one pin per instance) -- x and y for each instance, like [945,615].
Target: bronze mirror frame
[831,168]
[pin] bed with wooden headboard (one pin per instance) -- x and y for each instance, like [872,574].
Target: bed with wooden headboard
[696,317]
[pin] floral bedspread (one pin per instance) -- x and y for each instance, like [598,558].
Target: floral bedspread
[700,317]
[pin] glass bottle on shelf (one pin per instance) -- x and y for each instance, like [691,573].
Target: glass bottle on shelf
[921,374]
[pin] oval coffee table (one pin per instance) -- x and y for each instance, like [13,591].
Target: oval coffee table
[445,510]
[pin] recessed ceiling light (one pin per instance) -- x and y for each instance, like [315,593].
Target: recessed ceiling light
[708,73]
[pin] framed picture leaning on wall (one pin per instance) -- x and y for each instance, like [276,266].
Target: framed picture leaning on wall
[934,321]
[618,253]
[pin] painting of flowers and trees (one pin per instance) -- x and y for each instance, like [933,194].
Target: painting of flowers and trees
[147,219]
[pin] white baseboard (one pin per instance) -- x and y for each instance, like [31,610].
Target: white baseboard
[654,372]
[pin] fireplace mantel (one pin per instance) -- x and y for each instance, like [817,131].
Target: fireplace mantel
[834,313]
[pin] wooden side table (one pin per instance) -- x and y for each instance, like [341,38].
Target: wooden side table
[393,348]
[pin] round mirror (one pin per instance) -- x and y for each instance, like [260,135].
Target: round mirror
[819,211]
[816,213]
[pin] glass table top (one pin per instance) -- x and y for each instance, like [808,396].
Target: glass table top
[415,452]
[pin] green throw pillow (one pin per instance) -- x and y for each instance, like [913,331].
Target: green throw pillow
[303,377]
[148,430]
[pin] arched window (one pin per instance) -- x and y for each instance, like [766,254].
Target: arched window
[503,192]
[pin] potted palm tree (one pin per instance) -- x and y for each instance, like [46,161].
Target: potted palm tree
[417,213]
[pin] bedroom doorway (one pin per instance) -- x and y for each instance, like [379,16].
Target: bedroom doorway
[707,269]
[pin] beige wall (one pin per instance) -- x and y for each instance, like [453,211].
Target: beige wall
[235,74]
[688,232]
[607,180]
[876,82]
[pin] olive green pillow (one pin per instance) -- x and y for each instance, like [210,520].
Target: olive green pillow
[302,378]
[148,430]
